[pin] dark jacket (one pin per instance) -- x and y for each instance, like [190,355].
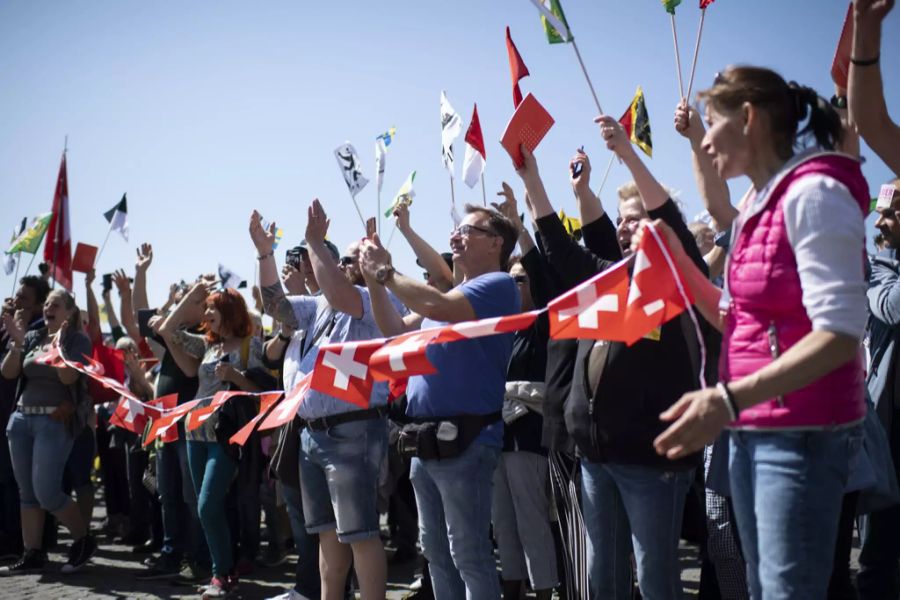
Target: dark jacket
[600,238]
[618,422]
[884,331]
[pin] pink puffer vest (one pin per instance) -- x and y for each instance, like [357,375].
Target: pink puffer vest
[766,315]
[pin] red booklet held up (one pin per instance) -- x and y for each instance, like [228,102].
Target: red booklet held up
[528,125]
[840,65]
[83,261]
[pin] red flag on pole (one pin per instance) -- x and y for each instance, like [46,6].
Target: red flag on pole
[705,3]
[517,68]
[840,65]
[58,247]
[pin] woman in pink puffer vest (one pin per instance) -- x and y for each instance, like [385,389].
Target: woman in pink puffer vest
[792,315]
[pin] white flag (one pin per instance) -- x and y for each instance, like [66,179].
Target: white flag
[451,127]
[230,279]
[381,143]
[348,161]
[9,265]
[473,166]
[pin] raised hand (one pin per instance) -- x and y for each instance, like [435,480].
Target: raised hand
[872,11]
[688,122]
[529,168]
[293,280]
[614,135]
[263,238]
[373,256]
[13,328]
[582,180]
[401,217]
[89,277]
[509,208]
[120,279]
[144,257]
[316,223]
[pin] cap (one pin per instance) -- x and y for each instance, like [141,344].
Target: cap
[331,248]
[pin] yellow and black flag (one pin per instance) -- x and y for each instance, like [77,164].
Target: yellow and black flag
[636,122]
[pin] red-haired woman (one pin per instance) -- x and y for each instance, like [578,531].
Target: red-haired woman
[219,358]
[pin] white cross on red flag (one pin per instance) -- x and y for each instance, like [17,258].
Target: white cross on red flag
[165,425]
[342,371]
[287,408]
[594,309]
[656,295]
[404,356]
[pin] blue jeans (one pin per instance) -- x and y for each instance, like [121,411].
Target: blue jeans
[339,478]
[454,500]
[631,506]
[212,471]
[308,582]
[39,448]
[787,489]
[182,532]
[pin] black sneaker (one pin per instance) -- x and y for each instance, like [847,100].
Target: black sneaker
[191,574]
[32,561]
[80,552]
[165,567]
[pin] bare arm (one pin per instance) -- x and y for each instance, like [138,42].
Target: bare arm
[93,310]
[868,109]
[337,289]
[509,208]
[274,300]
[429,258]
[713,189]
[144,258]
[129,322]
[388,319]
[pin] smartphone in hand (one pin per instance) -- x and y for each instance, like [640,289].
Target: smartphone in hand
[143,319]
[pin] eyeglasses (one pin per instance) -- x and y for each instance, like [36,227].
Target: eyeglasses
[466,230]
[425,275]
[346,261]
[520,278]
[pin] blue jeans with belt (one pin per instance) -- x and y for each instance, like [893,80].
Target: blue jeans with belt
[787,488]
[39,448]
[212,471]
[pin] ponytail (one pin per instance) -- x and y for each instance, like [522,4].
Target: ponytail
[824,123]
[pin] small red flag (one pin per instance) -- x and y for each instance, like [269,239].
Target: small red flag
[705,3]
[474,137]
[58,244]
[517,68]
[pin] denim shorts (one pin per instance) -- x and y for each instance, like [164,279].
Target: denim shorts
[39,447]
[339,471]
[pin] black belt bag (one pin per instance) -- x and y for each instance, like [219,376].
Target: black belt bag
[442,438]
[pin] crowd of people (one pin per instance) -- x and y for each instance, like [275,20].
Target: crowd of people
[763,425]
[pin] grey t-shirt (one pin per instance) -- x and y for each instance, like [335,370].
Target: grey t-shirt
[43,386]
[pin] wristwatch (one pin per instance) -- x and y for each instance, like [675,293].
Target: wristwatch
[384,274]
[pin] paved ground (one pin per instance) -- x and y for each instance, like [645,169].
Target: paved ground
[111,576]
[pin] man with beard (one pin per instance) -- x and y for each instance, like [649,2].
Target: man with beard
[341,447]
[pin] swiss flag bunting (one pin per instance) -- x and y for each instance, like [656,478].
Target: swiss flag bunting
[594,309]
[266,401]
[404,356]
[655,296]
[287,408]
[485,327]
[342,371]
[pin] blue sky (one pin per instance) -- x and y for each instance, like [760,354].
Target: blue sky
[204,110]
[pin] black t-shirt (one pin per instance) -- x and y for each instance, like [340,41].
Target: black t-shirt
[172,379]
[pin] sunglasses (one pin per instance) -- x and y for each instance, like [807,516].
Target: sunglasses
[346,261]
[466,230]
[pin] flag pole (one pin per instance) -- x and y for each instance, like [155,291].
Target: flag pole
[31,262]
[106,239]
[677,58]
[16,276]
[452,193]
[606,173]
[391,238]
[696,52]
[378,228]
[483,193]
[359,212]
[586,76]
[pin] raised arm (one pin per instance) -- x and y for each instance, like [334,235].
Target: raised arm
[337,289]
[276,303]
[418,296]
[868,109]
[713,189]
[141,265]
[509,208]
[15,329]
[187,349]
[428,257]
[388,319]
[129,322]
[93,310]
[652,193]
